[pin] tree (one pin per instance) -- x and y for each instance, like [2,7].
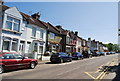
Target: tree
[112,47]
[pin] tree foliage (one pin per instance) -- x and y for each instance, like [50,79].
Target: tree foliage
[112,47]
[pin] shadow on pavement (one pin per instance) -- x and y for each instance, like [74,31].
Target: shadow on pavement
[117,77]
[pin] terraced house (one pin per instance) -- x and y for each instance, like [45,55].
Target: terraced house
[22,33]
[54,39]
[71,39]
[79,44]
[33,38]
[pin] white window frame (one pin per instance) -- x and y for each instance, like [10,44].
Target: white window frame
[13,22]
[53,35]
[34,32]
[41,33]
[8,47]
[16,42]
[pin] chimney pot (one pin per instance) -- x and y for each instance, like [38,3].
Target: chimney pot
[36,15]
[76,33]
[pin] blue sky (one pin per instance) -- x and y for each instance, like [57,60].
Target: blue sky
[98,20]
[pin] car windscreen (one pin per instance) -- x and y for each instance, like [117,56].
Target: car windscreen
[74,54]
[55,55]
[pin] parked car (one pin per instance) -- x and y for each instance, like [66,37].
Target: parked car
[102,53]
[108,53]
[87,54]
[11,61]
[113,52]
[77,55]
[60,57]
[96,54]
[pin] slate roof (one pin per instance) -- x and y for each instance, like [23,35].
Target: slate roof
[28,18]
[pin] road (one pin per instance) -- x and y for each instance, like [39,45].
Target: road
[77,69]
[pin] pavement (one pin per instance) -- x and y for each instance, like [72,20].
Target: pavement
[43,62]
[95,68]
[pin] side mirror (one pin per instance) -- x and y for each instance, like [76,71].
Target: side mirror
[23,58]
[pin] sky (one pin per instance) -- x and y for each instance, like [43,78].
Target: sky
[98,20]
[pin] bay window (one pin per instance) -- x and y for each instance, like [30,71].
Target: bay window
[12,24]
[6,45]
[14,45]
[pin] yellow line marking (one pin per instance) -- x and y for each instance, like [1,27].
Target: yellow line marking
[103,73]
[90,75]
[99,68]
[106,72]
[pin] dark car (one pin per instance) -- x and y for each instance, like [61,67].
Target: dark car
[113,52]
[60,57]
[96,54]
[108,53]
[77,55]
[102,53]
[86,54]
[11,61]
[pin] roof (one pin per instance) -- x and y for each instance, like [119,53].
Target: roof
[79,38]
[4,7]
[28,18]
[62,31]
[32,20]
[72,35]
[51,28]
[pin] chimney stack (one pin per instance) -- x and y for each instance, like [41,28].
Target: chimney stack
[76,33]
[89,38]
[36,15]
[58,26]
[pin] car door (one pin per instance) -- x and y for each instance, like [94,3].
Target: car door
[67,56]
[9,61]
[21,61]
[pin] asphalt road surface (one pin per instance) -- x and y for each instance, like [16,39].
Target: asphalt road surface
[77,69]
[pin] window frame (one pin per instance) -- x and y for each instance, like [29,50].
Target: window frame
[53,35]
[41,34]
[13,23]
[33,32]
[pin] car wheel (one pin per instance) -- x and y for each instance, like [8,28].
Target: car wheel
[82,58]
[1,69]
[32,65]
[61,60]
[70,60]
[78,58]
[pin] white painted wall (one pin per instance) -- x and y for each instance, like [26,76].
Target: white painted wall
[12,12]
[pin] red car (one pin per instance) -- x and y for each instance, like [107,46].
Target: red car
[10,61]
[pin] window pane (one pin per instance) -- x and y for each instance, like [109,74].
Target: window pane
[17,56]
[5,45]
[33,32]
[52,35]
[41,33]
[14,46]
[9,18]
[8,25]
[16,27]
[17,21]
[8,56]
